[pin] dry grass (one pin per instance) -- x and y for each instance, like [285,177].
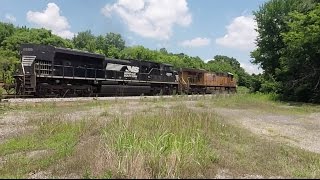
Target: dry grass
[185,144]
[165,145]
[165,138]
[262,103]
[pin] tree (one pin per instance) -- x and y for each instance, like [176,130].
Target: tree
[115,40]
[271,23]
[300,60]
[163,50]
[287,48]
[13,37]
[113,52]
[272,20]
[36,36]
[137,52]
[85,41]
[8,65]
[101,44]
[6,30]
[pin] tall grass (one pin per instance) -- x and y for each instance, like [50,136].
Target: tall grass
[173,142]
[168,146]
[187,144]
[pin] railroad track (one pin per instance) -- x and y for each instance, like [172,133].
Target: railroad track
[71,99]
[11,96]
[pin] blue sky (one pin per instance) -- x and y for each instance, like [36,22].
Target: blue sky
[203,28]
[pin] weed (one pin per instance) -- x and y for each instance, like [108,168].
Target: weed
[56,136]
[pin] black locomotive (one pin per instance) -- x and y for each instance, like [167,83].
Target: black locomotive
[48,71]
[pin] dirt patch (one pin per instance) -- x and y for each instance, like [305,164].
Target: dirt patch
[226,174]
[40,175]
[2,161]
[38,154]
[81,115]
[10,131]
[298,130]
[13,124]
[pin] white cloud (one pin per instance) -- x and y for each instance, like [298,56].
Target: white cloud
[196,42]
[241,34]
[107,10]
[51,19]
[132,6]
[151,18]
[250,68]
[10,17]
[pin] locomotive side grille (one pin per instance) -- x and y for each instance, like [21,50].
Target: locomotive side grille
[43,67]
[28,60]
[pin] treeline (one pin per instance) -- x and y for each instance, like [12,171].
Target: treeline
[112,45]
[289,49]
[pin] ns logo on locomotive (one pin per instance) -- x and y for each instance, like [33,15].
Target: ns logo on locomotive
[48,71]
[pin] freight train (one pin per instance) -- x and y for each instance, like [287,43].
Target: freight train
[48,71]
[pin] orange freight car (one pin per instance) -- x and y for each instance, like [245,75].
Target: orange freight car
[219,82]
[201,81]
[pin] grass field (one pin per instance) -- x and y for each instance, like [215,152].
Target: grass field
[160,138]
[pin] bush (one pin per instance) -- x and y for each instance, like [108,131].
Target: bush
[242,90]
[2,91]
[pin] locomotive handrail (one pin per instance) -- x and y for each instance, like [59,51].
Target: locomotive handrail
[74,69]
[150,71]
[75,72]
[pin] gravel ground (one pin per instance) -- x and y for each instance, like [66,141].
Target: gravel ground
[298,130]
[13,124]
[26,100]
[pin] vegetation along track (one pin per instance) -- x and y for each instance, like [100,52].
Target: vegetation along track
[26,100]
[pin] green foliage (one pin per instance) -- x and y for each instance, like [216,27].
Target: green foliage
[12,37]
[176,146]
[242,90]
[1,92]
[271,23]
[37,36]
[300,60]
[56,137]
[114,40]
[288,49]
[111,45]
[6,30]
[85,41]
[8,65]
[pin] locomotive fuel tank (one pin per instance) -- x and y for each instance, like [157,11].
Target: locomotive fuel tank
[125,90]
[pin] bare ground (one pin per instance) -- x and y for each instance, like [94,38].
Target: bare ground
[13,124]
[298,130]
